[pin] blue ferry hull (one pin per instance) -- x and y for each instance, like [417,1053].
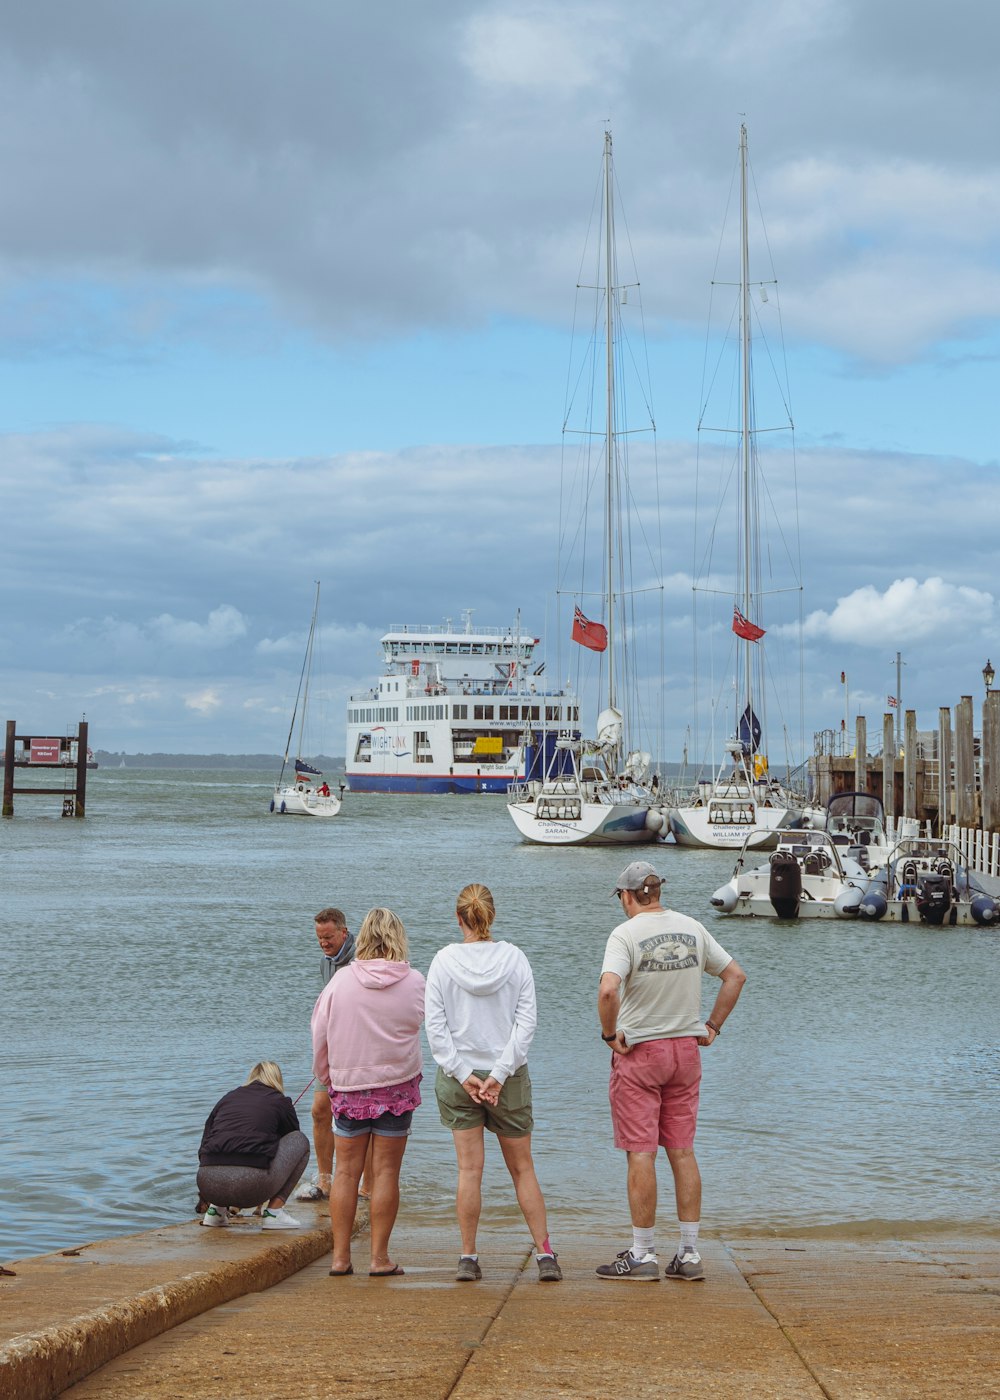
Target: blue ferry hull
[396,782]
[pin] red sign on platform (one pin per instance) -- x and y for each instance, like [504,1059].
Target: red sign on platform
[44,751]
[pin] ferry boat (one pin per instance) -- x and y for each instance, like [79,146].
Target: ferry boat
[457,710]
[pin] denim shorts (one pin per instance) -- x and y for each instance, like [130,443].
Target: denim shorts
[395,1125]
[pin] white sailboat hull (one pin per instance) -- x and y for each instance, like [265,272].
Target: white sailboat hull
[598,824]
[700,826]
[303,802]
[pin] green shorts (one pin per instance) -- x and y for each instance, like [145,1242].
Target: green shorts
[511,1118]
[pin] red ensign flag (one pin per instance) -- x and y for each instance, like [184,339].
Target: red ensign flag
[749,631]
[589,634]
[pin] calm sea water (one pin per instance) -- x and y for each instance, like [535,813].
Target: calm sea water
[157,949]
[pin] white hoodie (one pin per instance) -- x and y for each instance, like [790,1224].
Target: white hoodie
[480,1009]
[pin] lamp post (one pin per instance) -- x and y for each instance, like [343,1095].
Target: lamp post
[988,676]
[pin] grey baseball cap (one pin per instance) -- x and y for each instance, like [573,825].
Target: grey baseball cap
[634,876]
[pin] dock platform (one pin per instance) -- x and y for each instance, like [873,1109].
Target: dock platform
[184,1311]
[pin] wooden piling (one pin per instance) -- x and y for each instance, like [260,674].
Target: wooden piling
[910,764]
[8,769]
[990,762]
[945,807]
[860,754]
[888,769]
[965,769]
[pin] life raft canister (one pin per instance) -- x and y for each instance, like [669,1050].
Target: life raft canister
[784,886]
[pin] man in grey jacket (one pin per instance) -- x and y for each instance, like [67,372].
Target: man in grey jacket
[338,950]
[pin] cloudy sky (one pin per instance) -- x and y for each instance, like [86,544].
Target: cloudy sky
[286,294]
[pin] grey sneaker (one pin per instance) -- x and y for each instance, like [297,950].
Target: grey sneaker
[685,1265]
[312,1192]
[548,1269]
[626,1266]
[468,1270]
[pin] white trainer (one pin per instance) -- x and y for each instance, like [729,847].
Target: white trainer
[279,1220]
[216,1216]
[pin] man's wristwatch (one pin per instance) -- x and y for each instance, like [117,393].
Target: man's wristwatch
[713,1027]
[612,1036]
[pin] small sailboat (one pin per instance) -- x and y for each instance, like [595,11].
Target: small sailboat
[599,790]
[305,792]
[742,806]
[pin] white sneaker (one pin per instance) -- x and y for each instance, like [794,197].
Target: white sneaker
[279,1220]
[216,1216]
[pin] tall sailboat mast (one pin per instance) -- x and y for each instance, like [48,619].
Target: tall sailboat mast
[609,328]
[745,444]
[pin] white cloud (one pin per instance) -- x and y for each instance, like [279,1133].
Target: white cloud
[907,612]
[206,702]
[225,624]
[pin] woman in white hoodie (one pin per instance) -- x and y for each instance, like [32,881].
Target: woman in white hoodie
[480,1020]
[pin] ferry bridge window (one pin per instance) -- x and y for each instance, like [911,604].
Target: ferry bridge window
[460,711]
[552,712]
[482,712]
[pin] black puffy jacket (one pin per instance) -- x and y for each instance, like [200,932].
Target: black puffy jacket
[245,1127]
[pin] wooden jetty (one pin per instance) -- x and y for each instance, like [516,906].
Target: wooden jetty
[42,753]
[949,776]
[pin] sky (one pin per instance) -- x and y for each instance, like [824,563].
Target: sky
[286,294]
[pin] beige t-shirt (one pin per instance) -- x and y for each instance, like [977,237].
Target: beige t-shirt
[660,959]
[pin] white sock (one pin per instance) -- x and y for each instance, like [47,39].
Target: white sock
[471,1256]
[689,1235]
[642,1242]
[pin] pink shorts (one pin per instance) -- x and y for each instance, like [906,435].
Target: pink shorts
[654,1094]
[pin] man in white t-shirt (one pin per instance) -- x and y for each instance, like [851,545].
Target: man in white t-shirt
[650,1008]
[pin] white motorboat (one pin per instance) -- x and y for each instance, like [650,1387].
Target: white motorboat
[743,806]
[813,874]
[599,791]
[925,881]
[305,792]
[807,877]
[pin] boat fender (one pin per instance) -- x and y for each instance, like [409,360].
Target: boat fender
[281,809]
[873,905]
[272,804]
[725,898]
[654,820]
[847,903]
[984,909]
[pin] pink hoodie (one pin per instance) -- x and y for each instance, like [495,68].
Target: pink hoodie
[366,1025]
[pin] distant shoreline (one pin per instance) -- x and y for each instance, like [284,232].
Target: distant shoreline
[270,761]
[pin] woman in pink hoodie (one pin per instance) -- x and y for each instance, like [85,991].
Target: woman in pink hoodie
[366,1047]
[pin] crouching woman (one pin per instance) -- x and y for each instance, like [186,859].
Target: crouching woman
[252,1151]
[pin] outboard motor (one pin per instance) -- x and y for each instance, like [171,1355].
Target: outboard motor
[785,885]
[933,898]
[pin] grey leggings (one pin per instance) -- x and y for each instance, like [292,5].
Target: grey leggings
[251,1186]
